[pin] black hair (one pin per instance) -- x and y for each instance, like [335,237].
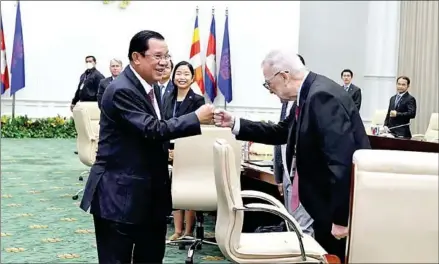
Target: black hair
[404,78]
[301,59]
[182,63]
[91,56]
[140,42]
[348,71]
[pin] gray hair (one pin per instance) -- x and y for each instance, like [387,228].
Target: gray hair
[280,60]
[116,61]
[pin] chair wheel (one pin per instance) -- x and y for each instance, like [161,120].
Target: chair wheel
[181,246]
[189,261]
[81,178]
[75,197]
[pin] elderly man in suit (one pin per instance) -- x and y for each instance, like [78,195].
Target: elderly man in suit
[327,133]
[115,69]
[402,108]
[282,177]
[128,190]
[353,90]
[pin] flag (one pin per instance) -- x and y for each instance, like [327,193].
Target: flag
[195,58]
[210,70]
[17,63]
[225,71]
[4,64]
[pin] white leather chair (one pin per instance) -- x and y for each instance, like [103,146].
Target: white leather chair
[432,133]
[377,120]
[395,207]
[193,179]
[275,247]
[86,116]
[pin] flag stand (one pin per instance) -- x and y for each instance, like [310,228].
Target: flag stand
[13,106]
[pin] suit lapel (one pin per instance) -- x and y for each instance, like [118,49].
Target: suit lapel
[187,101]
[293,138]
[401,100]
[130,75]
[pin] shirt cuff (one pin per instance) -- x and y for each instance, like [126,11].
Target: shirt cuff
[236,126]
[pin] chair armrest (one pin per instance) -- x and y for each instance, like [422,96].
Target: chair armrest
[262,196]
[418,136]
[258,207]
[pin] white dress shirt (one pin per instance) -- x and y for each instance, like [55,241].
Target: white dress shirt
[148,88]
[162,90]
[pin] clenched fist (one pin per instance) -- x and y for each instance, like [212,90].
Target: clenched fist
[223,118]
[205,114]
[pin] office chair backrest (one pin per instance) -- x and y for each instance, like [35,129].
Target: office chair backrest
[228,187]
[86,116]
[395,207]
[193,180]
[432,133]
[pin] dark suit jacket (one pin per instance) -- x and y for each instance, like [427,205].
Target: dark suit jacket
[328,132]
[355,93]
[102,86]
[90,78]
[405,110]
[169,89]
[129,181]
[190,103]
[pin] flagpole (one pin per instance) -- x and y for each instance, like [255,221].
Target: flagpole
[225,101]
[13,96]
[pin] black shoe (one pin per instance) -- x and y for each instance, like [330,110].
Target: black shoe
[76,152]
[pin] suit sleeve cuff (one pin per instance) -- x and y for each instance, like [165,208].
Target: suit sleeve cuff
[236,126]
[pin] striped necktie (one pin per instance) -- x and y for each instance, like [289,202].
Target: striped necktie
[398,98]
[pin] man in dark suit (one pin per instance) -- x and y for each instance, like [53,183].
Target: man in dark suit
[402,108]
[327,133]
[353,90]
[165,85]
[128,190]
[115,69]
[88,83]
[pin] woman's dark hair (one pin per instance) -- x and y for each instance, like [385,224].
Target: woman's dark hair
[182,63]
[140,42]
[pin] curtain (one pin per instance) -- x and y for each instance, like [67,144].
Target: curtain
[418,57]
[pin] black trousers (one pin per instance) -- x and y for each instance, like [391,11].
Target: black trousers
[332,245]
[119,243]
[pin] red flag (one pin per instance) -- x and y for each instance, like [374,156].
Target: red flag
[4,65]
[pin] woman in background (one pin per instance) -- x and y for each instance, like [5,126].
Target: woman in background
[182,100]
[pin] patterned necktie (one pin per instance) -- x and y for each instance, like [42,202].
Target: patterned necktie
[346,88]
[398,98]
[295,193]
[162,91]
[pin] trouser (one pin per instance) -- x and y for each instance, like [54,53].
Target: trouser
[119,243]
[333,246]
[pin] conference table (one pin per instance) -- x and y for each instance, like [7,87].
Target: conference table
[260,178]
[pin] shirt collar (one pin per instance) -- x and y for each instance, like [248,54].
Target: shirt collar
[145,85]
[164,84]
[300,88]
[401,94]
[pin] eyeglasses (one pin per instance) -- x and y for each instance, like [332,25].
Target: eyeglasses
[160,57]
[266,84]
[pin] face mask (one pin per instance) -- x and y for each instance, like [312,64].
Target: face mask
[89,65]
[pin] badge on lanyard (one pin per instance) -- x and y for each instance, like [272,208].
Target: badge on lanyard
[81,86]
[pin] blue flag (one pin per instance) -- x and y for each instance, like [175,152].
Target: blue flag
[225,71]
[17,63]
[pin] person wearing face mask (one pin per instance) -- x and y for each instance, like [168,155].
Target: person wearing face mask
[115,69]
[88,83]
[182,100]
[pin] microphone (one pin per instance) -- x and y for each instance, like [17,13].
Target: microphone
[390,128]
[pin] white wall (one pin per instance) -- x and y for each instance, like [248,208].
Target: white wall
[361,36]
[58,35]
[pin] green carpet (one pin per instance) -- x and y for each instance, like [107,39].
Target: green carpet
[40,223]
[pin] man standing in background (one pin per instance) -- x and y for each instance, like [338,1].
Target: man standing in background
[88,83]
[165,86]
[282,177]
[354,91]
[115,68]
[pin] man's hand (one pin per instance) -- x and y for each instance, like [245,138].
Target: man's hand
[339,232]
[223,118]
[392,113]
[205,114]
[71,107]
[280,188]
[171,155]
